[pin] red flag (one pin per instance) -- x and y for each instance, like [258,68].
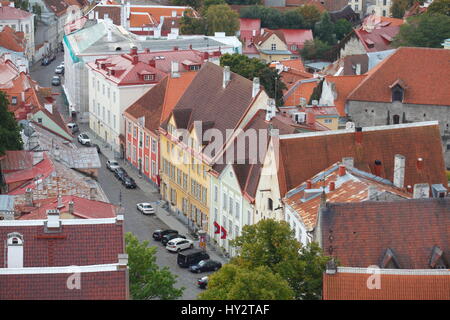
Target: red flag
[216,228]
[224,233]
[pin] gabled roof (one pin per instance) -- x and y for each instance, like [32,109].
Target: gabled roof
[422,70]
[151,15]
[351,284]
[302,88]
[301,156]
[353,186]
[344,85]
[12,40]
[41,169]
[11,13]
[158,102]
[409,228]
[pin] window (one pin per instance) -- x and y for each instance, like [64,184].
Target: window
[103,90]
[135,132]
[238,210]
[14,100]
[98,85]
[114,121]
[103,113]
[293,47]
[109,92]
[230,208]
[270,204]
[274,46]
[147,139]
[384,3]
[185,179]
[129,126]
[146,163]
[194,67]
[224,205]
[149,77]
[153,168]
[27,28]
[39,120]
[328,120]
[216,191]
[114,96]
[109,117]
[384,13]
[140,139]
[134,153]
[249,217]
[397,93]
[356,7]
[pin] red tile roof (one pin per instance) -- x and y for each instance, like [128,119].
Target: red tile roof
[76,244]
[151,15]
[344,86]
[422,70]
[42,169]
[363,232]
[297,162]
[11,13]
[104,285]
[127,73]
[83,208]
[113,12]
[12,40]
[351,284]
[302,88]
[15,160]
[352,187]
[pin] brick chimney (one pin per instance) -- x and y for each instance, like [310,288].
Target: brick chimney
[92,193]
[332,186]
[60,203]
[419,163]
[133,51]
[135,59]
[152,63]
[29,197]
[377,168]
[308,184]
[399,170]
[226,76]
[341,171]
[358,135]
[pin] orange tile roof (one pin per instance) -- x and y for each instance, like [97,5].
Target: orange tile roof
[344,86]
[422,70]
[352,187]
[155,12]
[303,155]
[300,89]
[12,40]
[351,284]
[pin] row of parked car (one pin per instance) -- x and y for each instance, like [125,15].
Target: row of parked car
[195,259]
[56,80]
[121,174]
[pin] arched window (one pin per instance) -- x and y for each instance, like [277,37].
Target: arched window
[15,250]
[397,93]
[396,119]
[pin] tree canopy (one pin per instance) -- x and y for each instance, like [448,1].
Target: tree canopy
[439,7]
[221,18]
[147,279]
[325,29]
[252,67]
[426,30]
[233,282]
[311,15]
[342,27]
[10,138]
[272,244]
[315,49]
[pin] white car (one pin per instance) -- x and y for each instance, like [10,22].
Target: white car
[83,138]
[145,208]
[112,165]
[178,244]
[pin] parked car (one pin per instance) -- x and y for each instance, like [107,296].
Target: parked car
[129,182]
[45,62]
[205,265]
[179,244]
[59,70]
[56,81]
[112,165]
[202,283]
[158,234]
[83,138]
[120,173]
[145,208]
[165,239]
[73,127]
[190,257]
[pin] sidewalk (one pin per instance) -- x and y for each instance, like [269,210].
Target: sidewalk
[164,215]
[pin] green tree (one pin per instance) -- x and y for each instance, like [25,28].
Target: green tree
[424,31]
[310,14]
[220,18]
[270,18]
[147,279]
[252,67]
[10,138]
[244,2]
[439,7]
[324,29]
[272,244]
[399,7]
[342,27]
[293,20]
[315,50]
[190,25]
[208,3]
[234,282]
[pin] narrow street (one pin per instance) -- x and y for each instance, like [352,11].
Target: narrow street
[140,225]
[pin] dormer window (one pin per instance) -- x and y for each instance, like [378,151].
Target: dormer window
[194,67]
[149,77]
[398,90]
[389,260]
[437,260]
[14,100]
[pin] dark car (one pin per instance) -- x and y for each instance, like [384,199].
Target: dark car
[45,62]
[205,265]
[120,173]
[190,257]
[166,238]
[202,282]
[158,234]
[128,182]
[56,81]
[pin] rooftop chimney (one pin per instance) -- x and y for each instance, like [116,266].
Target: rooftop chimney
[226,76]
[377,168]
[255,88]
[358,135]
[71,207]
[53,219]
[271,109]
[308,184]
[332,186]
[348,162]
[135,59]
[175,48]
[310,118]
[421,191]
[341,171]
[409,188]
[133,51]
[399,171]
[147,50]
[60,203]
[174,69]
[419,163]
[29,197]
[92,193]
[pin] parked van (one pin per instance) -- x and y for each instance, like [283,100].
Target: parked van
[73,127]
[191,256]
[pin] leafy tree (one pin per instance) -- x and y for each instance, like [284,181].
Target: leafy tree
[147,280]
[325,29]
[310,14]
[10,138]
[293,20]
[208,3]
[221,18]
[252,67]
[342,27]
[439,7]
[427,30]
[315,50]
[245,2]
[190,25]
[196,4]
[399,7]
[270,18]
[272,244]
[234,282]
